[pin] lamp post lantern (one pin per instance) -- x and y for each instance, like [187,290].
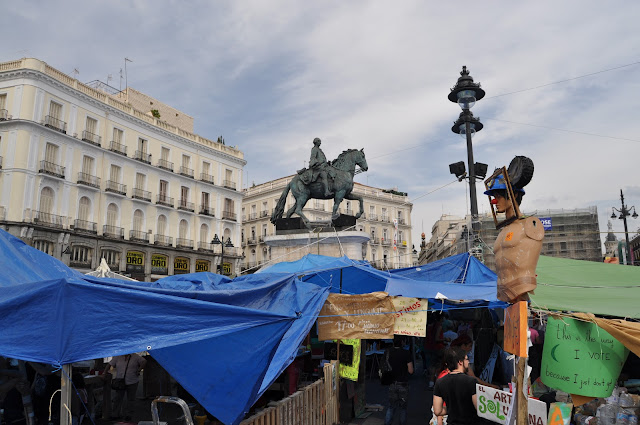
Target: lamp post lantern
[222,244]
[465,93]
[624,212]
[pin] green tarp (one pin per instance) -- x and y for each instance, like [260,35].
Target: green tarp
[586,286]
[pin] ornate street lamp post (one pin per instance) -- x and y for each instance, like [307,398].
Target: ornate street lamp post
[465,93]
[222,244]
[624,212]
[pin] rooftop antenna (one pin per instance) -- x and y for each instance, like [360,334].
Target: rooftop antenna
[126,80]
[75,73]
[109,78]
[121,79]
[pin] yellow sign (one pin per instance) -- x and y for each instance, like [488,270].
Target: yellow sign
[411,316]
[159,264]
[181,265]
[351,372]
[366,316]
[135,262]
[203,265]
[226,269]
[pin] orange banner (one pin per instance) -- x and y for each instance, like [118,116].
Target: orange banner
[366,316]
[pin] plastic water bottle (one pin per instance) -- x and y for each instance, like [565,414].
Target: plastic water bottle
[585,419]
[608,414]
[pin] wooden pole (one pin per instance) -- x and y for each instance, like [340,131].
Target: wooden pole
[338,364]
[522,417]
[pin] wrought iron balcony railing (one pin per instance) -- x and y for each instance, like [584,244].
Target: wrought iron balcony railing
[229,184]
[139,236]
[112,232]
[205,246]
[162,240]
[184,243]
[85,226]
[92,138]
[52,169]
[205,210]
[88,180]
[206,178]
[143,195]
[186,206]
[116,187]
[4,115]
[118,148]
[49,220]
[55,123]
[165,165]
[167,201]
[187,172]
[142,157]
[228,215]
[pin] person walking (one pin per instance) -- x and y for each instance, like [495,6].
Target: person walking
[457,390]
[401,367]
[128,369]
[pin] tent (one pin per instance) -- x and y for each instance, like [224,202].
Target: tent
[311,262]
[587,286]
[224,341]
[103,270]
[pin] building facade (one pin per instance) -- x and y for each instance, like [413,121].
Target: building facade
[386,218]
[85,175]
[569,234]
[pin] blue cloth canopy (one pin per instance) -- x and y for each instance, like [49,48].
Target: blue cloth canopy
[224,341]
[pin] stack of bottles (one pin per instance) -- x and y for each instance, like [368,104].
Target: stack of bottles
[621,408]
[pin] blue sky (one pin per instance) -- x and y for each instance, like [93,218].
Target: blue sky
[271,75]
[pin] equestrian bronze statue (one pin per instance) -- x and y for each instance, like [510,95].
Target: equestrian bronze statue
[323,180]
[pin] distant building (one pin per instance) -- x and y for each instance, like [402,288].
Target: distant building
[383,208]
[89,172]
[572,234]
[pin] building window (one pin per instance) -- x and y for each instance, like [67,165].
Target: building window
[118,135]
[46,200]
[112,258]
[186,161]
[138,221]
[81,254]
[164,154]
[205,200]
[84,209]
[142,145]
[87,165]
[55,110]
[183,229]
[112,215]
[140,181]
[162,225]
[206,167]
[204,233]
[3,101]
[51,153]
[114,174]
[44,246]
[91,126]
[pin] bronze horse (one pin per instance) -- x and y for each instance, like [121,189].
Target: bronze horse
[341,172]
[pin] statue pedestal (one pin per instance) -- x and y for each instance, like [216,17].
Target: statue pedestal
[293,240]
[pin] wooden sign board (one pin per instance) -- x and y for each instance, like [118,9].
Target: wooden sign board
[515,329]
[495,405]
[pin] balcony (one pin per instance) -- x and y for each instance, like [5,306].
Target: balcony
[386,242]
[261,238]
[92,138]
[208,178]
[162,199]
[165,165]
[251,241]
[186,206]
[138,236]
[228,215]
[253,216]
[52,169]
[318,207]
[385,219]
[82,226]
[374,240]
[372,216]
[205,210]
[143,195]
[162,240]
[55,124]
[229,184]
[187,172]
[112,232]
[142,157]
[116,187]
[88,180]
[48,220]
[184,243]
[118,148]
[402,221]
[205,246]
[4,115]
[264,213]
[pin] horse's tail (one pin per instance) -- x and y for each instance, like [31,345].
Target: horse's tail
[279,209]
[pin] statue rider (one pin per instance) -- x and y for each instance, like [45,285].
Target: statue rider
[318,165]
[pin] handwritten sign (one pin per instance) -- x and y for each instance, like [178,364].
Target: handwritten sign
[581,358]
[515,329]
[494,405]
[409,321]
[560,413]
[366,316]
[351,371]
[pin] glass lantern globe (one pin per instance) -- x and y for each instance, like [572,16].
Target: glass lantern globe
[463,130]
[466,99]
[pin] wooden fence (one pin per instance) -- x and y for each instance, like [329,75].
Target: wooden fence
[315,404]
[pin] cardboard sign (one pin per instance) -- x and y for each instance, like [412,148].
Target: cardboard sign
[366,316]
[487,372]
[409,322]
[494,405]
[351,371]
[560,413]
[581,358]
[515,329]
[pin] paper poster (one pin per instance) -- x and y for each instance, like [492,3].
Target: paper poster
[515,329]
[581,358]
[409,321]
[351,371]
[487,372]
[366,316]
[494,405]
[560,413]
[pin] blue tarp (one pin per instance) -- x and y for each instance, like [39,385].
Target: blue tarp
[224,341]
[310,263]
